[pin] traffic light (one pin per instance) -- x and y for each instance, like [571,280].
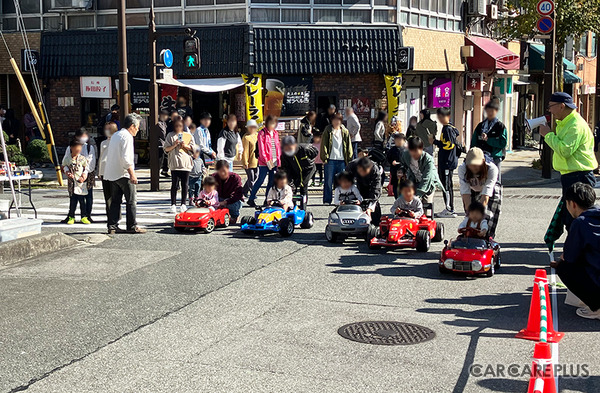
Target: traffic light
[191,53]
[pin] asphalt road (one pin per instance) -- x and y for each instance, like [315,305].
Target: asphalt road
[170,312]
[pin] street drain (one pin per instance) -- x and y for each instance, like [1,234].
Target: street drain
[386,333]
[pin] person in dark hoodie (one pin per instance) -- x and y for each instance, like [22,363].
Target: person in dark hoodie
[447,160]
[229,143]
[368,178]
[393,157]
[307,125]
[298,161]
[579,266]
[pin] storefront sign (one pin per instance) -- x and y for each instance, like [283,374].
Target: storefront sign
[440,93]
[253,87]
[140,97]
[288,96]
[474,82]
[393,85]
[362,109]
[95,87]
[168,94]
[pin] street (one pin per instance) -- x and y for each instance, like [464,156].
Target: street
[227,312]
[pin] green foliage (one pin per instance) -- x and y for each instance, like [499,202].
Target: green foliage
[36,151]
[15,155]
[5,136]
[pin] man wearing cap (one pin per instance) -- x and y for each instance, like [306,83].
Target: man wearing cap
[573,146]
[202,138]
[298,161]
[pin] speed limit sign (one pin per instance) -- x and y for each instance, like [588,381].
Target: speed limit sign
[545,7]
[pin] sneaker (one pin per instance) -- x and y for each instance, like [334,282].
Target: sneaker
[165,174]
[136,230]
[182,208]
[251,203]
[446,214]
[85,220]
[585,312]
[65,220]
[90,219]
[70,220]
[174,209]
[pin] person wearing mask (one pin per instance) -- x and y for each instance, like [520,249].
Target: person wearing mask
[369,180]
[298,161]
[179,150]
[88,150]
[420,169]
[353,125]
[325,118]
[425,128]
[491,136]
[249,159]
[336,153]
[229,143]
[307,125]
[269,156]
[183,109]
[109,129]
[412,127]
[447,160]
[187,124]
[379,137]
[202,138]
[120,172]
[229,189]
[163,118]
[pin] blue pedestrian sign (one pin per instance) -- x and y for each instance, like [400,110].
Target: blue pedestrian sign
[545,25]
[167,57]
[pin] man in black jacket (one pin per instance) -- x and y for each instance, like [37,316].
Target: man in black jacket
[368,177]
[298,161]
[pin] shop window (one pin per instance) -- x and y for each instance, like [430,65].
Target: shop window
[357,16]
[52,23]
[137,19]
[384,16]
[231,16]
[199,17]
[298,16]
[324,16]
[80,22]
[264,15]
[107,20]
[138,3]
[32,23]
[9,24]
[199,2]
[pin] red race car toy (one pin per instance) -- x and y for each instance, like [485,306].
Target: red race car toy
[406,232]
[202,218]
[470,255]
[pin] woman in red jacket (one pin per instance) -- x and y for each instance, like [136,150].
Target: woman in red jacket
[269,153]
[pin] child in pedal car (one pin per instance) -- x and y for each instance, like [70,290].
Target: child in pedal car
[208,197]
[281,193]
[407,205]
[346,193]
[475,220]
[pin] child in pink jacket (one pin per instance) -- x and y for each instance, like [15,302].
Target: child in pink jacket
[208,197]
[269,156]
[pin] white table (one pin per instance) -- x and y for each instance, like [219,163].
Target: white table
[20,192]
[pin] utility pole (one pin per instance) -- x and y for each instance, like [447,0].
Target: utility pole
[123,82]
[549,71]
[153,134]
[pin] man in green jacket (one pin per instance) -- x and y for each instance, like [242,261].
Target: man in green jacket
[420,168]
[336,153]
[573,146]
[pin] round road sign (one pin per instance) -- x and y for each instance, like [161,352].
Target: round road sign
[545,7]
[545,25]
[167,57]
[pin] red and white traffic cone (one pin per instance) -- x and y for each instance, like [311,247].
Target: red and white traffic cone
[542,370]
[540,311]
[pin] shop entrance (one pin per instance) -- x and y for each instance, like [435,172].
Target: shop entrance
[211,103]
[324,100]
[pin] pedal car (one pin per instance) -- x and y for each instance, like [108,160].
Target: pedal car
[406,232]
[202,218]
[276,219]
[346,221]
[470,255]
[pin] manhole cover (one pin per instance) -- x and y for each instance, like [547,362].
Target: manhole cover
[386,333]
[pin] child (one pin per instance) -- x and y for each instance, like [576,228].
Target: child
[75,168]
[447,159]
[393,158]
[208,197]
[196,175]
[407,205]
[281,193]
[346,192]
[318,162]
[475,219]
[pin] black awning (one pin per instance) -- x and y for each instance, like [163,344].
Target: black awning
[326,50]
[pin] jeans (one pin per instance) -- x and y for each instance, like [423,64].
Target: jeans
[446,179]
[355,150]
[119,188]
[332,168]
[566,181]
[578,280]
[194,186]
[176,177]
[263,171]
[73,201]
[251,176]
[107,196]
[498,162]
[234,208]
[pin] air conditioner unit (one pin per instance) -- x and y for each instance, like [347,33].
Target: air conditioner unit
[70,4]
[492,12]
[477,7]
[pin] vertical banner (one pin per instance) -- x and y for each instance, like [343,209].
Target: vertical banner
[254,107]
[393,85]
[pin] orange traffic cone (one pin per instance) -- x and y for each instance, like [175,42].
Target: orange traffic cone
[540,313]
[542,374]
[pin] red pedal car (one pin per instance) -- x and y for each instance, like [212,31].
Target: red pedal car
[202,218]
[406,232]
[471,255]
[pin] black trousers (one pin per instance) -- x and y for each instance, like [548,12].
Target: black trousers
[446,179]
[73,201]
[176,178]
[394,182]
[122,188]
[319,170]
[162,159]
[566,181]
[107,192]
[578,280]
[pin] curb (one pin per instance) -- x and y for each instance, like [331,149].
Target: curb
[15,251]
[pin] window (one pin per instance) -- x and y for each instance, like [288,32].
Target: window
[199,17]
[414,19]
[425,4]
[107,20]
[167,3]
[9,24]
[328,1]
[52,23]
[403,18]
[414,4]
[295,2]
[391,3]
[357,16]
[384,16]
[324,16]
[106,4]
[352,2]
[168,18]
[138,3]
[458,7]
[593,52]
[405,3]
[441,25]
[137,19]
[30,7]
[230,2]
[32,23]
[230,16]
[80,22]
[423,20]
[297,16]
[443,7]
[199,2]
[264,14]
[432,22]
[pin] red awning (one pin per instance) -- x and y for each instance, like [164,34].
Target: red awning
[488,55]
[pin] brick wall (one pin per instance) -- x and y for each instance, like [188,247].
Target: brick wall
[371,86]
[15,44]
[65,120]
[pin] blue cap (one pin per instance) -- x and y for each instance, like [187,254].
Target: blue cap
[563,98]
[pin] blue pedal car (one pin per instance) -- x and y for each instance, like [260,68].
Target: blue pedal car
[276,219]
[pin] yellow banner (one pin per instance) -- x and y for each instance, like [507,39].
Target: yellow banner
[254,104]
[393,86]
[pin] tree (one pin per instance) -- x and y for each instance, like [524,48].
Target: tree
[573,18]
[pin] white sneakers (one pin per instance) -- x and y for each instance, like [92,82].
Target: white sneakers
[585,312]
[182,208]
[445,214]
[174,209]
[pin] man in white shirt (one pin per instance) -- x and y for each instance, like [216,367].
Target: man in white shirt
[353,125]
[120,172]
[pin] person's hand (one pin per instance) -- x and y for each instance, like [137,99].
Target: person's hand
[411,214]
[431,138]
[133,179]
[482,233]
[70,175]
[245,166]
[81,179]
[223,203]
[369,211]
[554,264]
[213,155]
[484,136]
[545,130]
[394,162]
